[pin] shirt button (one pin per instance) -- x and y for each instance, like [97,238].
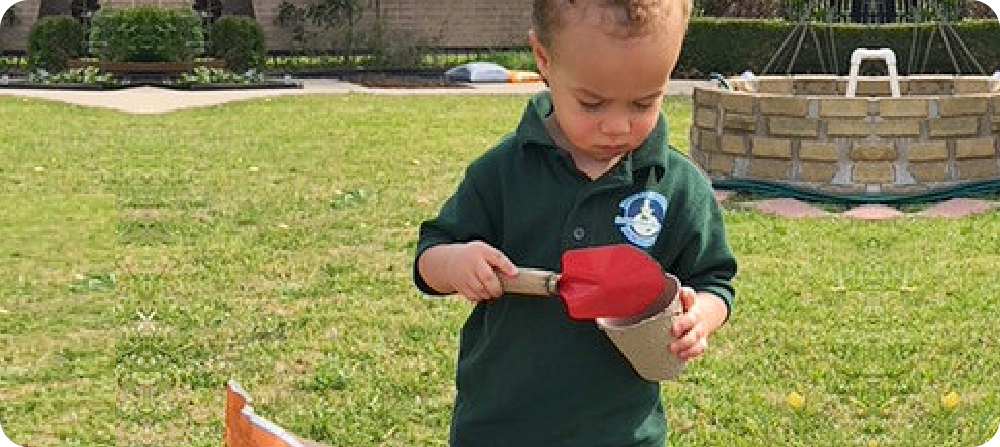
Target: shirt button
[579,233]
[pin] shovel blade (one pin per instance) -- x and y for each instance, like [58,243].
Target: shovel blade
[615,281]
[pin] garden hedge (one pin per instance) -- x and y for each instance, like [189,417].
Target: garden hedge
[731,46]
[146,34]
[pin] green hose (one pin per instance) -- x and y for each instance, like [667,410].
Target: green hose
[770,189]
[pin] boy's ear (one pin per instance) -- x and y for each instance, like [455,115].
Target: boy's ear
[538,52]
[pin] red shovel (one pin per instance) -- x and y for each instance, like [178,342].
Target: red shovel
[614,281]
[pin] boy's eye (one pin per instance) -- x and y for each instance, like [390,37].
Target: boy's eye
[591,105]
[642,105]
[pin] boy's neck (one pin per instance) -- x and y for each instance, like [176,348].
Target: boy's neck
[593,169]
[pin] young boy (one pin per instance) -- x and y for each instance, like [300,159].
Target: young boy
[588,165]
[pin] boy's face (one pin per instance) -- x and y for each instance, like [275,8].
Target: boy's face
[606,90]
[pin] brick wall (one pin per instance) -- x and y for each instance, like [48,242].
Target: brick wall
[801,131]
[446,23]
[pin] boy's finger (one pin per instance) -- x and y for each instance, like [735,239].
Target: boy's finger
[688,298]
[694,351]
[499,260]
[681,325]
[488,278]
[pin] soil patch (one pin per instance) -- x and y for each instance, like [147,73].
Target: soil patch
[380,80]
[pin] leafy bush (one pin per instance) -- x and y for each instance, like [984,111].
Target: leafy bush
[239,41]
[205,75]
[734,45]
[89,75]
[53,41]
[146,35]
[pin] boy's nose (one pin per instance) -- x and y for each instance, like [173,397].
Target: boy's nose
[615,126]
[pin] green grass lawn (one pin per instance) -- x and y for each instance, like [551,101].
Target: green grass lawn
[145,260]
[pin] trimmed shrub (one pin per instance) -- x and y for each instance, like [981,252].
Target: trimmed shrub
[53,41]
[731,46]
[240,42]
[146,35]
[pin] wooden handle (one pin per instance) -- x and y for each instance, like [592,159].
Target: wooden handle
[530,281]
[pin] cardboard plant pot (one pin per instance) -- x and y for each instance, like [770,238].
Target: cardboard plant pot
[644,339]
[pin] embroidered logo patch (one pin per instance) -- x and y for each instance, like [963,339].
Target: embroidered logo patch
[642,217]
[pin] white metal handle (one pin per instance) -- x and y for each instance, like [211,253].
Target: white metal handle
[886,55]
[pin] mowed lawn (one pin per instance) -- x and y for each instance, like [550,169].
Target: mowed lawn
[146,260]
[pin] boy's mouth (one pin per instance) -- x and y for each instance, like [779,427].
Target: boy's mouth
[613,148]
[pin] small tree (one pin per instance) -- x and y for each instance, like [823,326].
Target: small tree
[337,18]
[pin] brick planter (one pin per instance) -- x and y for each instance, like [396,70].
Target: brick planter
[802,131]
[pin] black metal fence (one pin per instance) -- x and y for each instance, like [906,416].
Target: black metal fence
[895,11]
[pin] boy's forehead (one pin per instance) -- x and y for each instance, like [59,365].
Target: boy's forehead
[612,66]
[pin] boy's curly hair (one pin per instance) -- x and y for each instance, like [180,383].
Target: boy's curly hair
[634,17]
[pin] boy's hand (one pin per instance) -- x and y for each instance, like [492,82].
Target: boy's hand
[472,271]
[703,314]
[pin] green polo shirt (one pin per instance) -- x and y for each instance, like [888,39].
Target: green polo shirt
[527,374]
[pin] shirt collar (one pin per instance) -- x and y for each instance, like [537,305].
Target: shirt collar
[651,153]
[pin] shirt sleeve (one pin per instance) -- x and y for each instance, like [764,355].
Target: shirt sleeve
[706,262]
[466,216]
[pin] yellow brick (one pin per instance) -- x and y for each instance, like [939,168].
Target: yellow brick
[874,173]
[761,168]
[706,98]
[843,107]
[904,108]
[738,102]
[706,117]
[722,163]
[929,87]
[817,87]
[817,172]
[779,86]
[708,141]
[734,144]
[971,86]
[977,170]
[816,151]
[772,147]
[953,127]
[785,106]
[975,147]
[848,128]
[797,127]
[930,151]
[739,121]
[929,172]
[873,151]
[962,106]
[897,128]
[874,88]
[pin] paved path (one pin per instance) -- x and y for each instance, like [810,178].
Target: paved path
[154,100]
